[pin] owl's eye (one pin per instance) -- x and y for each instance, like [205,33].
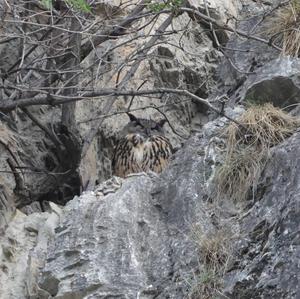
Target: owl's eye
[155,127]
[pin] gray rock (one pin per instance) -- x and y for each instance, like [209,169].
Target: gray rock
[138,241]
[268,249]
[135,243]
[23,247]
[277,82]
[244,57]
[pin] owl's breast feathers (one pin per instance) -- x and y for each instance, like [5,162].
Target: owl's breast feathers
[136,153]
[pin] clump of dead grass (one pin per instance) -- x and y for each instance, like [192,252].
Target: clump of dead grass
[239,174]
[248,146]
[215,253]
[284,28]
[263,126]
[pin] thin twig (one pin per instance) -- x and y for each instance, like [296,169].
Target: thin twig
[228,28]
[111,93]
[89,138]
[18,179]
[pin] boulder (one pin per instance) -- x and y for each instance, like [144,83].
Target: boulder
[277,82]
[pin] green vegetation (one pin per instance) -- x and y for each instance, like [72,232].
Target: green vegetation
[169,4]
[248,147]
[80,5]
[47,3]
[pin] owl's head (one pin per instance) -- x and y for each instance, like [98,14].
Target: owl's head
[144,127]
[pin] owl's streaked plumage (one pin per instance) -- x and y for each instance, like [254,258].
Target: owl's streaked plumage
[142,147]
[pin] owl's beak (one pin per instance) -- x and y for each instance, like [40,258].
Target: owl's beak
[148,132]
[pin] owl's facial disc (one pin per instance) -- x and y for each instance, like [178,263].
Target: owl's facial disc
[145,128]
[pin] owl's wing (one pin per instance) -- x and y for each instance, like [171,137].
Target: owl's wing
[117,153]
[121,157]
[163,145]
[158,154]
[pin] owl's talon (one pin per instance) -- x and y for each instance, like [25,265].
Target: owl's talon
[109,186]
[148,173]
[136,174]
[152,174]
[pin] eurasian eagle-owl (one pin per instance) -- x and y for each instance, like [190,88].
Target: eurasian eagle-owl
[142,147]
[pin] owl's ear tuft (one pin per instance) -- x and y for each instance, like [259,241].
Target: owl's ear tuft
[162,122]
[131,117]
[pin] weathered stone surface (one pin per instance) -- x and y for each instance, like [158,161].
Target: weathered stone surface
[8,154]
[277,82]
[23,247]
[268,248]
[138,241]
[135,243]
[244,57]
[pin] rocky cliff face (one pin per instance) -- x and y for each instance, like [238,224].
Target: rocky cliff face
[138,242]
[170,236]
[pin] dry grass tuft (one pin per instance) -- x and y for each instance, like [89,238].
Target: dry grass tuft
[239,174]
[215,253]
[284,27]
[248,147]
[263,126]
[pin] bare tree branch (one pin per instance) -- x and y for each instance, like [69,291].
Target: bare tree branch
[89,138]
[117,30]
[193,12]
[111,93]
[68,109]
